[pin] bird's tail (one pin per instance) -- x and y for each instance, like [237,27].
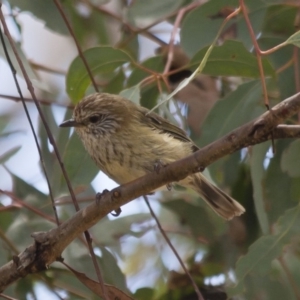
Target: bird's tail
[220,202]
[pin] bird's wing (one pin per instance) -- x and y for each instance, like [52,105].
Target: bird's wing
[157,122]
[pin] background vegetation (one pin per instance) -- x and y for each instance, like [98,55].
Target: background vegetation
[255,256]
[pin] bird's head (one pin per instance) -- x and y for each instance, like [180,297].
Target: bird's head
[98,114]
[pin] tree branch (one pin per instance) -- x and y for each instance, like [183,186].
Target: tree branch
[49,245]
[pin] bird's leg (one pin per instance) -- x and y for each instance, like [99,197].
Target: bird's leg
[117,212]
[158,165]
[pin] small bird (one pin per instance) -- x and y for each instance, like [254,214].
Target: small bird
[126,141]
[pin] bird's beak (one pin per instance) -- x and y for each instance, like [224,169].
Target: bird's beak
[69,123]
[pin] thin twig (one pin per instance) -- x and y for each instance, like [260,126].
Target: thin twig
[176,25]
[273,49]
[14,74]
[258,52]
[200,297]
[259,60]
[7,297]
[47,69]
[296,71]
[134,30]
[282,68]
[28,206]
[86,233]
[52,141]
[8,242]
[42,101]
[61,11]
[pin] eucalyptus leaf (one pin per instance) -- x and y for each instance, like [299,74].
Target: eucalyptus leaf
[30,72]
[279,187]
[257,158]
[195,217]
[154,64]
[44,10]
[143,11]
[194,34]
[112,271]
[8,154]
[132,93]
[236,109]
[101,60]
[22,189]
[112,230]
[294,39]
[232,59]
[269,247]
[78,163]
[21,229]
[290,162]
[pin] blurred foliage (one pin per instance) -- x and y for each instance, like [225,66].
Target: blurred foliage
[255,256]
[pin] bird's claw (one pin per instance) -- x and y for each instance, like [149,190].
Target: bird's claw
[116,212]
[100,195]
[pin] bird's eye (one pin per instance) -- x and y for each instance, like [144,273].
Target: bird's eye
[94,119]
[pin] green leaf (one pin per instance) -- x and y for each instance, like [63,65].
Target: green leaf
[290,162]
[288,225]
[30,72]
[193,216]
[231,59]
[7,155]
[279,20]
[236,109]
[22,190]
[273,287]
[294,39]
[269,247]
[279,188]
[101,60]
[149,96]
[21,229]
[194,34]
[144,11]
[49,159]
[44,10]
[78,163]
[256,10]
[27,192]
[144,294]
[25,287]
[154,63]
[113,230]
[149,92]
[92,24]
[285,78]
[111,270]
[257,158]
[132,94]
[259,257]
[116,84]
[80,259]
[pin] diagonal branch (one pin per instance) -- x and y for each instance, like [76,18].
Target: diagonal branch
[49,245]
